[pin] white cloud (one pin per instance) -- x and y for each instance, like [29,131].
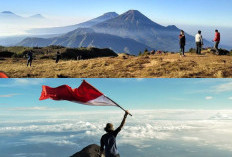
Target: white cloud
[209,98]
[22,82]
[8,95]
[143,128]
[32,109]
[221,116]
[225,87]
[140,79]
[230,98]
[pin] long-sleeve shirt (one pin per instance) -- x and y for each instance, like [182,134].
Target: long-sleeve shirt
[182,40]
[217,37]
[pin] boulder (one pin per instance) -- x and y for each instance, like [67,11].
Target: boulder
[89,151]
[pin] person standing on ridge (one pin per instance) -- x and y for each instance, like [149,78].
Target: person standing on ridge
[182,43]
[217,40]
[108,141]
[30,58]
[58,57]
[199,42]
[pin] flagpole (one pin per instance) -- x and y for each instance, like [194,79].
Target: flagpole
[119,106]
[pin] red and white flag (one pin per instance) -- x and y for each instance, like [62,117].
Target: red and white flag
[3,75]
[85,94]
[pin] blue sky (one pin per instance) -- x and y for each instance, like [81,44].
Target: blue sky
[23,94]
[176,117]
[189,15]
[204,12]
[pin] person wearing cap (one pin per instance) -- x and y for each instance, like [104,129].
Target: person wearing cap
[199,42]
[108,141]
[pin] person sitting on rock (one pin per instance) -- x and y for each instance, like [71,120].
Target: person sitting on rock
[109,139]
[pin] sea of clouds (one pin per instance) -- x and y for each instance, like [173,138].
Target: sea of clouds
[161,133]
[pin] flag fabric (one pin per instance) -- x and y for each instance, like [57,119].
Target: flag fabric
[3,75]
[85,94]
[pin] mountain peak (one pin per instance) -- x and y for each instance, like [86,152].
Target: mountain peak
[111,14]
[135,18]
[7,12]
[37,16]
[172,27]
[134,13]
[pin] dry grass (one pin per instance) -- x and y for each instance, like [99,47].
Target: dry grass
[156,66]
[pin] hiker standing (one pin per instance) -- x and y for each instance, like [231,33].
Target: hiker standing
[58,57]
[30,58]
[108,141]
[199,42]
[182,42]
[217,40]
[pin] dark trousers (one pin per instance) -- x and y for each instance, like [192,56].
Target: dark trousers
[29,61]
[182,50]
[216,46]
[198,51]
[57,59]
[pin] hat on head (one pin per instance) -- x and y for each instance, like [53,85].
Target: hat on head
[109,127]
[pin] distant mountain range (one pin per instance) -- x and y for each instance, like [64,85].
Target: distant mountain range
[8,15]
[66,29]
[130,32]
[86,37]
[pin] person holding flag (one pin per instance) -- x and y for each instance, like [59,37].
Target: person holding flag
[89,95]
[108,141]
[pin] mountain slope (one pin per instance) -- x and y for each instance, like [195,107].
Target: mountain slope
[85,37]
[137,26]
[66,29]
[8,15]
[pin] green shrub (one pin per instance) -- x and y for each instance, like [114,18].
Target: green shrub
[87,53]
[192,50]
[6,54]
[230,53]
[56,47]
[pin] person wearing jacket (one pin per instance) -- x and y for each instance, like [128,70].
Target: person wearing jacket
[108,141]
[30,58]
[199,42]
[182,42]
[217,40]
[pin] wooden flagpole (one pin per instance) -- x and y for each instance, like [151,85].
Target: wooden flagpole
[118,105]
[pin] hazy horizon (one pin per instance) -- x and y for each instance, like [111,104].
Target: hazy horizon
[178,117]
[179,13]
[180,133]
